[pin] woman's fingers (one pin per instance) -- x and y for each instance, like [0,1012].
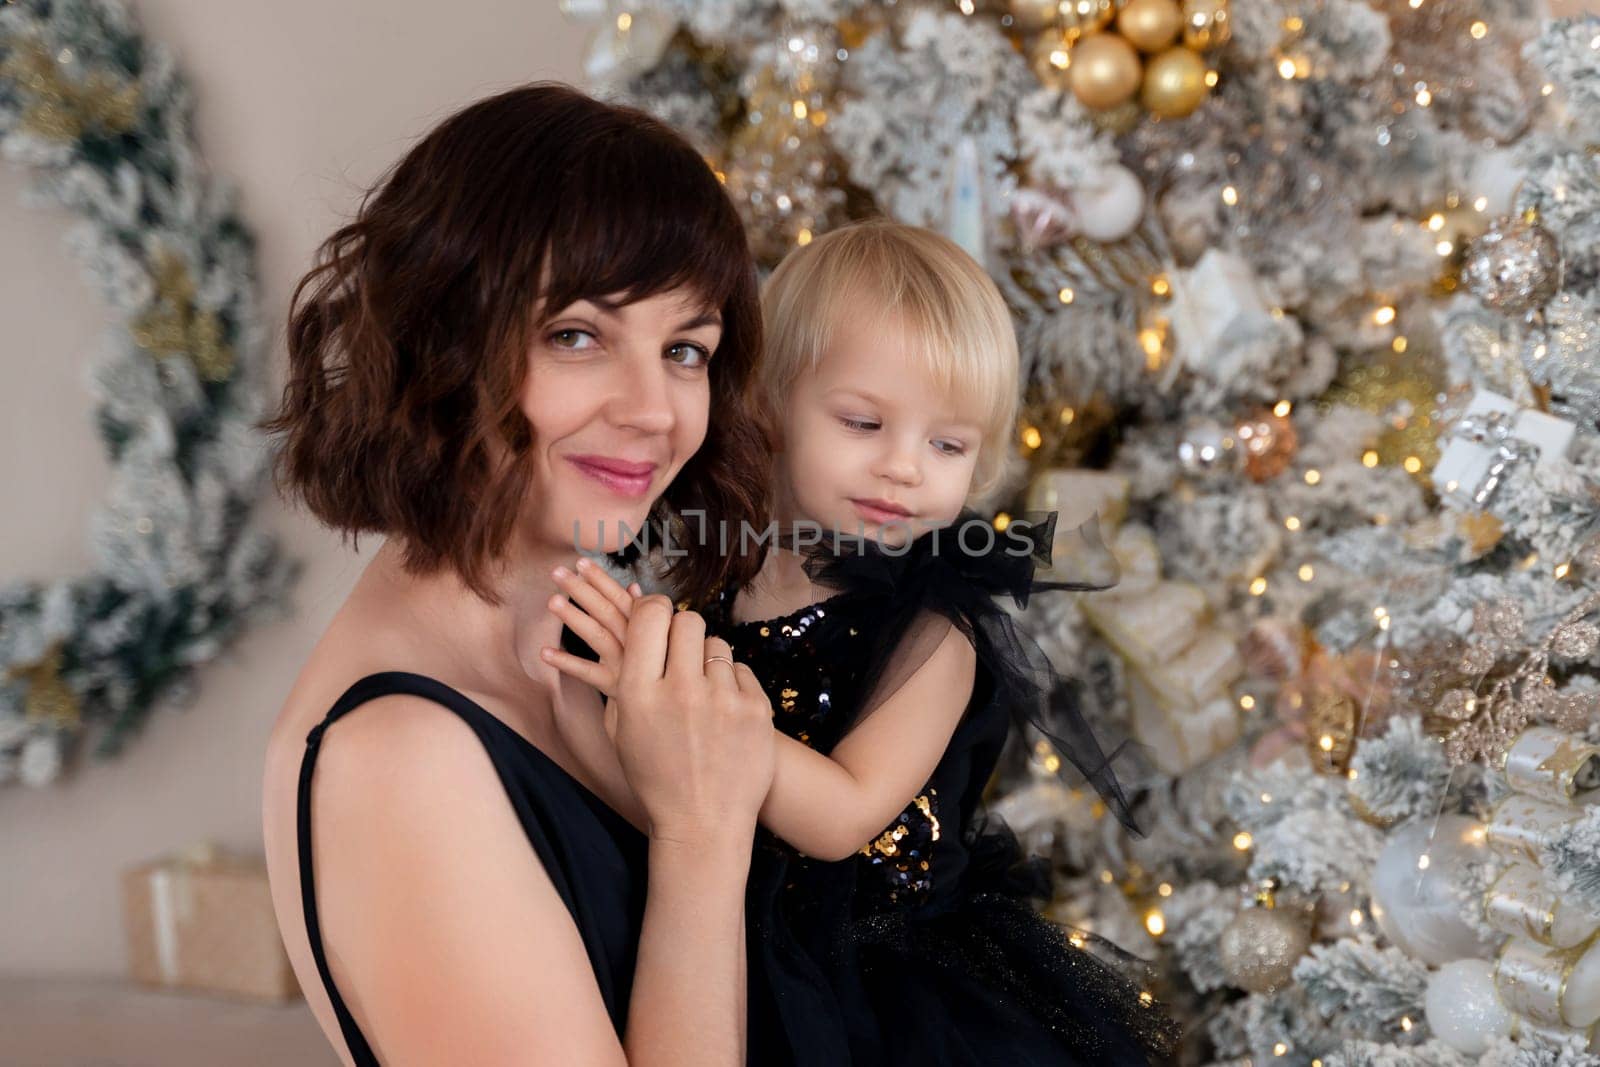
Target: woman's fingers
[746,680]
[588,595]
[686,648]
[602,640]
[719,664]
[597,675]
[644,648]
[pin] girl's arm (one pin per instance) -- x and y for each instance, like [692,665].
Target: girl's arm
[824,806]
[831,806]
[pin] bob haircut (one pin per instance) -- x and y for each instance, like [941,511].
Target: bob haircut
[956,317]
[408,340]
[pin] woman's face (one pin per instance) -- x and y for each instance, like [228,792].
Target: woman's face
[617,396]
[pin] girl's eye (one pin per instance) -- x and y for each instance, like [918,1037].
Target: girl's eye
[693,356]
[861,425]
[951,448]
[570,338]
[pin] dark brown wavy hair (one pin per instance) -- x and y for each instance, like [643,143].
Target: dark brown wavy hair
[408,340]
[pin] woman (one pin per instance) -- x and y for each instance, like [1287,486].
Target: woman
[513,353]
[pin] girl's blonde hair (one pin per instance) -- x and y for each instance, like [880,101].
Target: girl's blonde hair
[945,300]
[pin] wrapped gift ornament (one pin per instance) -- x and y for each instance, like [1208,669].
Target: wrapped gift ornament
[1520,826]
[1493,436]
[203,920]
[1078,497]
[1521,905]
[1222,317]
[1550,986]
[1553,765]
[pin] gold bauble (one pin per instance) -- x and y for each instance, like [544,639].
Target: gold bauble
[1104,72]
[1174,83]
[1050,55]
[1205,23]
[1079,18]
[1032,15]
[1150,25]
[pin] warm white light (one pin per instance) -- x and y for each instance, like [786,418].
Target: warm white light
[1230,195]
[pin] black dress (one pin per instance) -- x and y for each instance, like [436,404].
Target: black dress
[926,948]
[595,857]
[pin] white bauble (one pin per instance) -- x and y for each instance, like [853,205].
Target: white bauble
[1412,899]
[1109,206]
[1463,1008]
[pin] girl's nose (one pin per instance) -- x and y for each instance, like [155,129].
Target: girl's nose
[898,463]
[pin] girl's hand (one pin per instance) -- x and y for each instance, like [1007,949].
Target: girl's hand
[594,606]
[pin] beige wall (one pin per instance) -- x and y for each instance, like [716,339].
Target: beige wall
[300,102]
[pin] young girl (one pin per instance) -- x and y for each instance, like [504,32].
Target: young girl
[886,925]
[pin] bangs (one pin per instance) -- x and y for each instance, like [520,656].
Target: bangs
[953,331]
[641,219]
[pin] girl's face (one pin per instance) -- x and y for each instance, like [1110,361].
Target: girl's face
[871,444]
[617,396]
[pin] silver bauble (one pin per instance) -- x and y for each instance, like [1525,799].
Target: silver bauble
[1515,267]
[1260,947]
[1209,447]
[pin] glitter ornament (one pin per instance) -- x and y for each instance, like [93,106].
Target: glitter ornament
[1270,444]
[1515,267]
[1463,1009]
[1260,947]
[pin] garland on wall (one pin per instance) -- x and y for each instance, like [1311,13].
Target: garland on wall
[101,120]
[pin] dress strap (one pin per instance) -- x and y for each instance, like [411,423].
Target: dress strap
[372,686]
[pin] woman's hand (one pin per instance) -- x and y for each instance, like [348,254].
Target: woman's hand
[692,729]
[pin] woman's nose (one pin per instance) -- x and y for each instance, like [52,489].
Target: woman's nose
[643,397]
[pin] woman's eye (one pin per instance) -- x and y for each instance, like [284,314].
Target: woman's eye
[858,424]
[570,338]
[691,355]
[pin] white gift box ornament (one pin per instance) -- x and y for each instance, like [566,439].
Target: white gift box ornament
[1493,436]
[1219,316]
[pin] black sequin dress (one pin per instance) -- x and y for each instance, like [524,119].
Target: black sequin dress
[926,947]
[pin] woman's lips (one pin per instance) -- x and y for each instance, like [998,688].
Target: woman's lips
[876,513]
[623,477]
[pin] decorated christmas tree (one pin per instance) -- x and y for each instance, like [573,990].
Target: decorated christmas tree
[1308,295]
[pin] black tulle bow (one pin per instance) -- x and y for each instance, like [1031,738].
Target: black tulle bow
[956,572]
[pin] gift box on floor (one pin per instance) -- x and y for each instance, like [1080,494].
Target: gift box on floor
[203,920]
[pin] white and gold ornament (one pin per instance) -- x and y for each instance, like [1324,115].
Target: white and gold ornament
[1412,895]
[1520,904]
[1463,1008]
